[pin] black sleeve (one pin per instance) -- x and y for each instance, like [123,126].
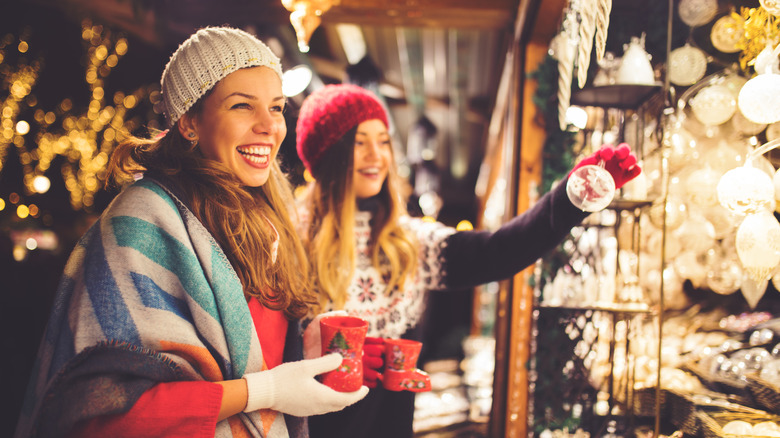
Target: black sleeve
[476,257]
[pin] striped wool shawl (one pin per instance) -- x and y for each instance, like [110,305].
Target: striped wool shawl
[147,296]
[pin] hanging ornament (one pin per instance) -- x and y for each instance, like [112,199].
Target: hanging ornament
[565,67]
[676,213]
[771,6]
[697,12]
[566,48]
[306,16]
[587,30]
[776,182]
[687,65]
[696,234]
[734,82]
[602,27]
[752,291]
[700,187]
[758,245]
[726,33]
[724,222]
[746,190]
[725,275]
[713,104]
[753,101]
[744,126]
[773,131]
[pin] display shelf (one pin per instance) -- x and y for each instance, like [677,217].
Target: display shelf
[636,308]
[629,204]
[621,96]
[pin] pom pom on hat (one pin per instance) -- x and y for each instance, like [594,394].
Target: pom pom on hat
[204,59]
[329,113]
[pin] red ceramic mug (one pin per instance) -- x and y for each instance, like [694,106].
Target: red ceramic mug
[401,372]
[344,335]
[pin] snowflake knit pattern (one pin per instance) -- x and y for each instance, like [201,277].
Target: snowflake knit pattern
[390,315]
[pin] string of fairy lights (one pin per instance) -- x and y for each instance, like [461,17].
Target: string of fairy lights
[83,138]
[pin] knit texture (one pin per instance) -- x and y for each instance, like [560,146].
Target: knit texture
[328,113]
[204,59]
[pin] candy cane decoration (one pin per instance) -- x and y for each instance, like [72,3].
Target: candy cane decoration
[566,49]
[602,26]
[587,29]
[565,70]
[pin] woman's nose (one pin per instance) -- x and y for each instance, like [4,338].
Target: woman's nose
[373,148]
[266,123]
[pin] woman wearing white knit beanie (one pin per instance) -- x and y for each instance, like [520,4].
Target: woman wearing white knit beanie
[178,311]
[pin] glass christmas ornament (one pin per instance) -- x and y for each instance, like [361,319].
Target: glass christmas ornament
[687,65]
[695,234]
[776,183]
[746,190]
[745,126]
[776,284]
[758,245]
[734,82]
[753,290]
[697,12]
[723,157]
[723,221]
[682,146]
[700,187]
[590,187]
[676,213]
[773,131]
[771,6]
[726,33]
[713,104]
[725,276]
[688,267]
[753,101]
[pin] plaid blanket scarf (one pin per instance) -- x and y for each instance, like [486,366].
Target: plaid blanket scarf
[147,296]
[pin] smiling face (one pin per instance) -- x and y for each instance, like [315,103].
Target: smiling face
[373,158]
[241,123]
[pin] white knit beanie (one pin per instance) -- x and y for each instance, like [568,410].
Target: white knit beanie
[204,59]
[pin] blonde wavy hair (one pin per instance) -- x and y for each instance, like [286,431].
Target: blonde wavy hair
[237,216]
[329,236]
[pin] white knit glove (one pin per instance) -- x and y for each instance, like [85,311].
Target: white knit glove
[291,388]
[312,343]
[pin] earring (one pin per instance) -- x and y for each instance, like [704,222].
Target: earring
[193,140]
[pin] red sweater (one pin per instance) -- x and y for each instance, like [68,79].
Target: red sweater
[186,409]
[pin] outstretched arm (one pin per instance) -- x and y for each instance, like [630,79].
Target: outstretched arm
[476,257]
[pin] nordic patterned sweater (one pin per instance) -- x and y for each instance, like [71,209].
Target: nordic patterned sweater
[448,259]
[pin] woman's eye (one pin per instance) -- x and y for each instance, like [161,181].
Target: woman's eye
[240,105]
[278,109]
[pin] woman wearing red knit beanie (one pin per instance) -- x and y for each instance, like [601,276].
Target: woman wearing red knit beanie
[375,262]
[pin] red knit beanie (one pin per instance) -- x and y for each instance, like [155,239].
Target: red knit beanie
[329,113]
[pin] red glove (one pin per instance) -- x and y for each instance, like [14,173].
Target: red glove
[373,349]
[620,162]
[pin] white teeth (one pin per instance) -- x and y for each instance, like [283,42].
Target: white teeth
[370,170]
[255,150]
[259,159]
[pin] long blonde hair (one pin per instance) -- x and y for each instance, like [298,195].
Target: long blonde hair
[237,216]
[329,235]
